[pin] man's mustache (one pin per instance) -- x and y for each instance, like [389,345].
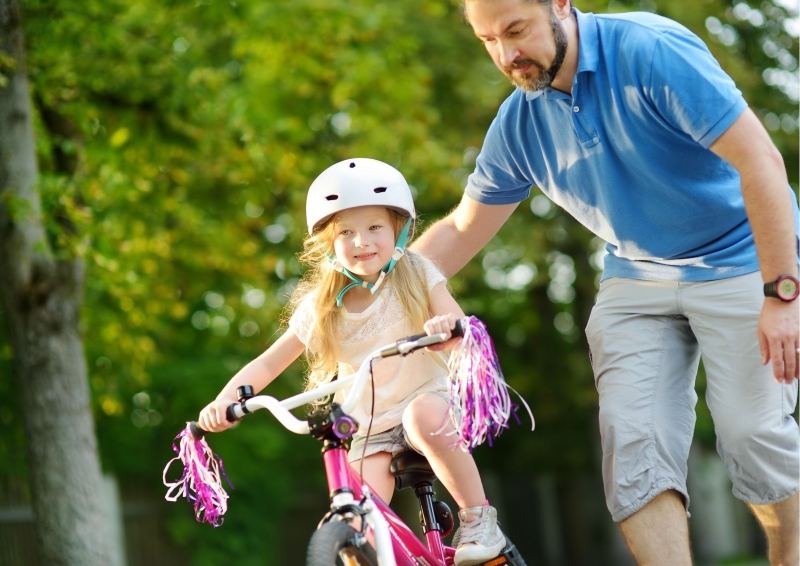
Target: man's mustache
[520,63]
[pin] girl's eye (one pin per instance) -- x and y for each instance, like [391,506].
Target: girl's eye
[375,227]
[344,232]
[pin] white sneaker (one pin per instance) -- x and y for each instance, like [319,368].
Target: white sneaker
[478,539]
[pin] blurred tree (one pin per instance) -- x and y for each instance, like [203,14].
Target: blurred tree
[41,291]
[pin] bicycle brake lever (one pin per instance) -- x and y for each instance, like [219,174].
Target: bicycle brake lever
[405,348]
[409,344]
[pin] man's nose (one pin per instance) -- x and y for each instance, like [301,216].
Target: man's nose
[508,53]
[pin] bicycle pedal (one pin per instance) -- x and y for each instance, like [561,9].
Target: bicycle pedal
[510,557]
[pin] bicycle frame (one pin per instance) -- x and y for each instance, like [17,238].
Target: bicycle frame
[387,526]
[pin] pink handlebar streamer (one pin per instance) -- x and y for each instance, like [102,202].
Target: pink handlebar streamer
[201,480]
[480,403]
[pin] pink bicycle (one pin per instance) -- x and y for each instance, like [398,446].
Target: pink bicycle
[360,529]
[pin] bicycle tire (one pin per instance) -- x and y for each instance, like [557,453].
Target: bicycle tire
[333,544]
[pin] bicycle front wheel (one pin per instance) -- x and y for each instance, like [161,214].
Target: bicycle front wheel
[335,544]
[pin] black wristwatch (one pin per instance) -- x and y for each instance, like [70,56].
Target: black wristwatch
[785,287]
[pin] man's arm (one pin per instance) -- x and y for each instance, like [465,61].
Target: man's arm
[747,146]
[455,239]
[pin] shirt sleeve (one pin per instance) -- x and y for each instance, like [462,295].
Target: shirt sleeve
[302,320]
[432,274]
[690,89]
[497,179]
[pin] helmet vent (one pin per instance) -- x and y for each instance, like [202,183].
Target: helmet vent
[332,197]
[379,189]
[352,165]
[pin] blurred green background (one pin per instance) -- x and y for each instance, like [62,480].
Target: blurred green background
[176,140]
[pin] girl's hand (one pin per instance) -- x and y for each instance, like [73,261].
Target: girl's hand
[442,324]
[212,417]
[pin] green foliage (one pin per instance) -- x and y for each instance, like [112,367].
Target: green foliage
[176,142]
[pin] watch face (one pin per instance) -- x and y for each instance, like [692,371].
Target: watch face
[787,288]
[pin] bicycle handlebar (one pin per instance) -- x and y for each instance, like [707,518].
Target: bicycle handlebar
[281,409]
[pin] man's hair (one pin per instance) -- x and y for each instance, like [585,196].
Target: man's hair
[464,4]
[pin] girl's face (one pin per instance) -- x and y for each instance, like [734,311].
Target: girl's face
[364,240]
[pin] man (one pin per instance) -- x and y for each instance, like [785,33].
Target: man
[628,123]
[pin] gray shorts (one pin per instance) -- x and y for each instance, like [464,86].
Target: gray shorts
[646,339]
[392,441]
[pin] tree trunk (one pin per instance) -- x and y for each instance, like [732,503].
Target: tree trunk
[41,297]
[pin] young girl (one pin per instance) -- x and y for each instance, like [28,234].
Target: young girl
[364,289]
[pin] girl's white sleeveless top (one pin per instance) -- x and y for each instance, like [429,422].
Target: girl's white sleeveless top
[398,380]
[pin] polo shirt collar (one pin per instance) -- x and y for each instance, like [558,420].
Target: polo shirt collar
[587,48]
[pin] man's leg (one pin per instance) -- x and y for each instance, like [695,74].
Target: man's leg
[782,527]
[659,533]
[757,435]
[645,358]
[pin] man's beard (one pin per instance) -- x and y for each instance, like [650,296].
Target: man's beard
[545,77]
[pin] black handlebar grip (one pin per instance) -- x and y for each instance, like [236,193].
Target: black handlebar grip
[196,431]
[458,330]
[230,413]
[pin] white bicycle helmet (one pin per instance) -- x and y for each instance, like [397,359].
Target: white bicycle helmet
[360,182]
[356,182]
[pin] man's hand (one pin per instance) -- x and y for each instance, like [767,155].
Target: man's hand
[779,338]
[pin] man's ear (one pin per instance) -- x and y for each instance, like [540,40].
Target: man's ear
[562,8]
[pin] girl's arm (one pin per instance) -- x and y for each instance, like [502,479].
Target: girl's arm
[259,373]
[446,311]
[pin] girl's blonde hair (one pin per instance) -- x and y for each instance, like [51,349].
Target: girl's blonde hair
[322,283]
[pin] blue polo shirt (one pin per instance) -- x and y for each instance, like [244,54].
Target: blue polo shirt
[627,154]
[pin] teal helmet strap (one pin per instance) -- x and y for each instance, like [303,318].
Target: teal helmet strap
[356,281]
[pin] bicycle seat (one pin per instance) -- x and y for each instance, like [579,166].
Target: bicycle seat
[410,468]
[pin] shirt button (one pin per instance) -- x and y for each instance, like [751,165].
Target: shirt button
[576,108]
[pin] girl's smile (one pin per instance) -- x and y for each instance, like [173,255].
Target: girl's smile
[364,257]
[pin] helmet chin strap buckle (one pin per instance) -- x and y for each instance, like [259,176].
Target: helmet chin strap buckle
[375,286]
[333,261]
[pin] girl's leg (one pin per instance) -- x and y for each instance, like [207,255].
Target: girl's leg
[479,538]
[376,473]
[455,468]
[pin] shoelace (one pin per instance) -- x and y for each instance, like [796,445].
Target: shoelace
[469,532]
